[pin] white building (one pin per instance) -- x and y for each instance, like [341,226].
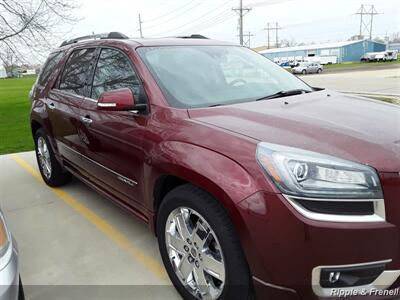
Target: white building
[3,73]
[342,51]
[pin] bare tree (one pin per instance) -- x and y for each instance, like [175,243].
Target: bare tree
[28,27]
[396,37]
[9,61]
[288,43]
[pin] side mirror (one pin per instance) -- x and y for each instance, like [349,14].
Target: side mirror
[119,100]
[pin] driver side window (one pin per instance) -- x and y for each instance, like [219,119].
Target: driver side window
[114,71]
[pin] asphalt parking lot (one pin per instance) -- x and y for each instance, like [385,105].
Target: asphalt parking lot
[380,81]
[75,244]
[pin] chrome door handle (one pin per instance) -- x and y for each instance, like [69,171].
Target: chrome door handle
[52,106]
[86,120]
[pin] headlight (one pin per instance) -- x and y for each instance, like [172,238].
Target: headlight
[4,236]
[304,173]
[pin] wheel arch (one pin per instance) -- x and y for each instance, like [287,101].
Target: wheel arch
[35,125]
[219,176]
[175,163]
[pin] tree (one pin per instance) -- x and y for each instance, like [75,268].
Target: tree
[9,61]
[396,37]
[27,27]
[288,43]
[379,40]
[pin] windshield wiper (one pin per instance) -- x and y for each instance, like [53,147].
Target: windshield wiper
[284,94]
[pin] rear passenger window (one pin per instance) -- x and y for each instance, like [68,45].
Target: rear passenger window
[77,68]
[114,71]
[52,61]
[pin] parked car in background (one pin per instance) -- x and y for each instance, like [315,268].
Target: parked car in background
[253,181]
[10,281]
[388,55]
[295,63]
[307,68]
[285,65]
[322,60]
[391,55]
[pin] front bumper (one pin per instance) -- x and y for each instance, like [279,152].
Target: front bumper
[284,248]
[9,274]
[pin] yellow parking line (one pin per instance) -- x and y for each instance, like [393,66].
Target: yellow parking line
[110,231]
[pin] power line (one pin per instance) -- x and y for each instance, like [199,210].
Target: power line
[366,26]
[241,12]
[170,12]
[174,17]
[191,21]
[218,19]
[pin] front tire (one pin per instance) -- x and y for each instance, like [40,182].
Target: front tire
[200,248]
[51,170]
[21,295]
[319,71]
[304,72]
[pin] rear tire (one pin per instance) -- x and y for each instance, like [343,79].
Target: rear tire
[319,71]
[200,210]
[51,170]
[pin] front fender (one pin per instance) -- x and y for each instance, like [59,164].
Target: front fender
[215,173]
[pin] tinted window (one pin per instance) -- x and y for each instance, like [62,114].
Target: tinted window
[76,71]
[48,68]
[114,71]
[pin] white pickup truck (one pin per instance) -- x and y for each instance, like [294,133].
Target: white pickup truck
[387,55]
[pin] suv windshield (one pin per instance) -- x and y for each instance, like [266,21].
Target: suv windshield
[201,76]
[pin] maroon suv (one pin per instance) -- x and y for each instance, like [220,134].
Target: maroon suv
[255,183]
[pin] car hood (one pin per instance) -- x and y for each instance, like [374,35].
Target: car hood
[349,127]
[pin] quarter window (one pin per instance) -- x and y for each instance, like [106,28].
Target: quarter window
[114,71]
[76,71]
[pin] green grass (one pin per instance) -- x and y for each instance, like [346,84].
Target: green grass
[15,134]
[360,64]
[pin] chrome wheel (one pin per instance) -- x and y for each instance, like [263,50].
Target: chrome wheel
[195,253]
[44,157]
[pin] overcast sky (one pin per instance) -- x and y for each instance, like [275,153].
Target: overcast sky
[303,20]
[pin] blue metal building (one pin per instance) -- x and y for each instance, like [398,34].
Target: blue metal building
[344,51]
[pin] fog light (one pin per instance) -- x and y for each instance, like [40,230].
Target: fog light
[334,277]
[350,276]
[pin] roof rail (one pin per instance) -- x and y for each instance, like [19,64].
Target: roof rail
[193,36]
[109,35]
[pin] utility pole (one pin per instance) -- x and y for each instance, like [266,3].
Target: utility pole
[373,12]
[241,12]
[361,13]
[246,42]
[365,26]
[140,27]
[277,28]
[269,28]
